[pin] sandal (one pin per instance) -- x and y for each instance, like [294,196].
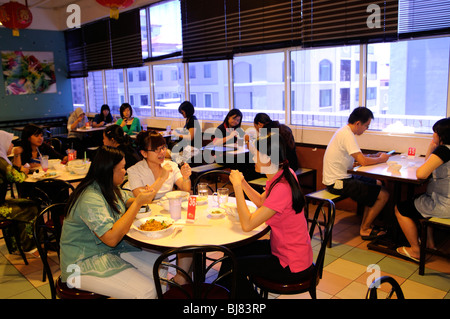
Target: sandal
[402,251]
[373,234]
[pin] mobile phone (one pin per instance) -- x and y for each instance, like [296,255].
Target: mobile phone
[390,152]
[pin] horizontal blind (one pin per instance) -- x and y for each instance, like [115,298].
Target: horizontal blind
[126,47]
[423,17]
[204,30]
[264,24]
[329,22]
[104,44]
[75,52]
[216,29]
[97,45]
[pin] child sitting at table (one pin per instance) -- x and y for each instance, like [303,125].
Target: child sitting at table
[287,256]
[436,200]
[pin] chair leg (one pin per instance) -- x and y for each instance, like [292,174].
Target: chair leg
[423,246]
[18,242]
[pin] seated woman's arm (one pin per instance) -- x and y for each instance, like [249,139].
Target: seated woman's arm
[184,182]
[158,182]
[121,227]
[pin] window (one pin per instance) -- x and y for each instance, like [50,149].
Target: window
[193,99]
[166,104]
[257,85]
[114,88]
[318,91]
[325,70]
[192,71]
[161,32]
[325,98]
[130,76]
[95,91]
[411,82]
[207,71]
[78,93]
[212,92]
[138,89]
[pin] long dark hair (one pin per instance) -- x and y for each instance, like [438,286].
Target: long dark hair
[274,146]
[269,124]
[28,131]
[233,112]
[109,117]
[442,129]
[125,106]
[101,172]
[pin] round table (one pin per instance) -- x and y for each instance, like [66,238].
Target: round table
[223,231]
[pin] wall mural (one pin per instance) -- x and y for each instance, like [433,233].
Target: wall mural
[28,72]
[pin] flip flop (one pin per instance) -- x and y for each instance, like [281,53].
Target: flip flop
[402,251]
[373,235]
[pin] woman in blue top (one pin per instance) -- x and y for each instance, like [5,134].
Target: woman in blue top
[436,200]
[94,256]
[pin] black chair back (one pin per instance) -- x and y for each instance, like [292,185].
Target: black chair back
[372,291]
[55,190]
[218,178]
[203,262]
[47,232]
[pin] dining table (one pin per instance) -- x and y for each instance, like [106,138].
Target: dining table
[204,229]
[399,177]
[60,172]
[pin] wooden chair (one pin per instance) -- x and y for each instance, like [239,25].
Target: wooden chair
[311,283]
[202,265]
[47,233]
[372,291]
[440,223]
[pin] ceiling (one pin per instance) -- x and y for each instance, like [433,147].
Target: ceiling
[52,14]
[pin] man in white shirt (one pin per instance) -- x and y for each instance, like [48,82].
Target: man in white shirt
[341,153]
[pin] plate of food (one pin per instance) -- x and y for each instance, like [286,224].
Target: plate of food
[39,175]
[154,227]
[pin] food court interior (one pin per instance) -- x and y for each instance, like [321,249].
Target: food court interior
[401,73]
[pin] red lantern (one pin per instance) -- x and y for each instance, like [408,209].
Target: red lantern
[114,6]
[15,16]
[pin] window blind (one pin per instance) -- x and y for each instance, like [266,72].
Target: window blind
[104,44]
[423,17]
[76,66]
[216,29]
[330,22]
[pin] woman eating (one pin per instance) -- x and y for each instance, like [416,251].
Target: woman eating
[92,248]
[230,129]
[103,118]
[287,255]
[154,170]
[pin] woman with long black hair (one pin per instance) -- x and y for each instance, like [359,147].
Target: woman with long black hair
[287,255]
[92,248]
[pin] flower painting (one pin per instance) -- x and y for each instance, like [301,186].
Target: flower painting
[28,72]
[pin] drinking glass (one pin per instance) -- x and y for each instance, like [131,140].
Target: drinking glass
[44,163]
[221,197]
[202,192]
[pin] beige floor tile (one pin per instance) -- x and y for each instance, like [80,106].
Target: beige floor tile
[415,290]
[346,269]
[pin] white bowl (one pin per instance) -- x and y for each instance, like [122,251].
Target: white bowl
[80,169]
[390,163]
[176,194]
[216,212]
[53,163]
[395,167]
[157,233]
[231,210]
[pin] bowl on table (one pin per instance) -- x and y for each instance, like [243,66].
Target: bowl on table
[164,201]
[216,212]
[165,226]
[54,163]
[79,168]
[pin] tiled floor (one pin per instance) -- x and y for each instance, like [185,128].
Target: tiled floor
[345,272]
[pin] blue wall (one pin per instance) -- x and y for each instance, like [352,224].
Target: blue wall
[29,106]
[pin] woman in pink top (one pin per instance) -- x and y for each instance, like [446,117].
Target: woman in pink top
[287,256]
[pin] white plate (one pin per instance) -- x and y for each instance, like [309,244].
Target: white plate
[156,233]
[41,175]
[172,194]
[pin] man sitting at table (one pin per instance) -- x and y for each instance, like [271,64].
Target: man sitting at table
[340,155]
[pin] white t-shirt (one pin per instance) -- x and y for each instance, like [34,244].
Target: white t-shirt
[140,175]
[338,157]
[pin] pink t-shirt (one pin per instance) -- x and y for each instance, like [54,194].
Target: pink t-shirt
[289,237]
